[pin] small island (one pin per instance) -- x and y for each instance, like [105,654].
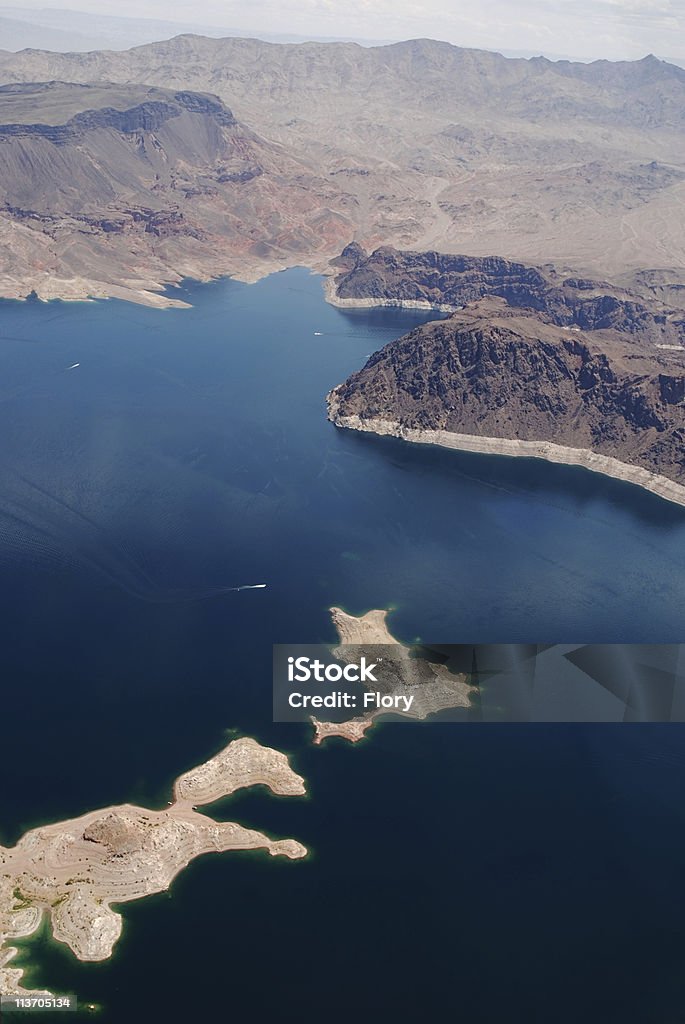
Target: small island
[74,870]
[432,687]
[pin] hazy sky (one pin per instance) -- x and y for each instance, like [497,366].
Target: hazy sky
[585,28]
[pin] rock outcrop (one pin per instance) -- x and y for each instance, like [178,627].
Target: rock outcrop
[448,282]
[496,378]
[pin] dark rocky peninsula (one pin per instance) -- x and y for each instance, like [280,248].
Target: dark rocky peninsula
[573,371]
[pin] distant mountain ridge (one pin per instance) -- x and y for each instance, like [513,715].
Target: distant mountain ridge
[423,70]
[65,30]
[16,34]
[422,145]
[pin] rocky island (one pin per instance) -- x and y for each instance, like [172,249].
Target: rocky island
[529,364]
[75,870]
[432,687]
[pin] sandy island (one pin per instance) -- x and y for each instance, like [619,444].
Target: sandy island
[74,870]
[433,687]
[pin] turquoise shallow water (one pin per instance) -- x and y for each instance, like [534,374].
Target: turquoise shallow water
[505,873]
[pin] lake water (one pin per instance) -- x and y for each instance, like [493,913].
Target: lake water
[488,873]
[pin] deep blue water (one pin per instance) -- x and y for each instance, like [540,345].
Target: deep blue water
[489,873]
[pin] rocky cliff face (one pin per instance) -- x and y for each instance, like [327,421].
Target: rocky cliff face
[105,189]
[497,372]
[439,278]
[148,116]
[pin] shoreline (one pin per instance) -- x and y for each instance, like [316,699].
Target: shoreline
[332,297]
[85,290]
[149,292]
[155,293]
[547,451]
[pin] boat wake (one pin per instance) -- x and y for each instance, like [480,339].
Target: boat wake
[40,526]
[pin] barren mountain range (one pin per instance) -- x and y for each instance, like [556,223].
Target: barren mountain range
[110,190]
[419,145]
